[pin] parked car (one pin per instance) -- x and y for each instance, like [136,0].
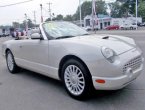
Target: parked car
[4,33]
[0,34]
[7,33]
[89,28]
[128,26]
[112,27]
[142,24]
[64,51]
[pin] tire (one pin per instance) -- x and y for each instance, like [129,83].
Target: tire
[76,79]
[131,28]
[11,65]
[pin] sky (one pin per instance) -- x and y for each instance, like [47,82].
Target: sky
[17,12]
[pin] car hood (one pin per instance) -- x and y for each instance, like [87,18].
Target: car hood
[119,44]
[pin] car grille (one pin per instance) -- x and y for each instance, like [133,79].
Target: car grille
[134,64]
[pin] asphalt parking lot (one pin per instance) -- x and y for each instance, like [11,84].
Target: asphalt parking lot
[30,91]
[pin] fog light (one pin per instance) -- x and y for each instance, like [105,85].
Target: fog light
[129,71]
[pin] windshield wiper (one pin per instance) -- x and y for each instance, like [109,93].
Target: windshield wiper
[62,37]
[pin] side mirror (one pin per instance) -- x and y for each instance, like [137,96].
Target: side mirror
[36,36]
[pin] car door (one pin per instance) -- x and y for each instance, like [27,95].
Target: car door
[34,55]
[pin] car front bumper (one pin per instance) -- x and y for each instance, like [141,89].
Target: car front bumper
[129,68]
[115,83]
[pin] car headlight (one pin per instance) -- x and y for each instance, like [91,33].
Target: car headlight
[109,54]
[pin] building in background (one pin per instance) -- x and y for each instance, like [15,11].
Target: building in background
[129,20]
[101,21]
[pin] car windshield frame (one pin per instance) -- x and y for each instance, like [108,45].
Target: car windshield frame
[62,29]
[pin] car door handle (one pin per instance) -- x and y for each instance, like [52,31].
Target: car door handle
[20,46]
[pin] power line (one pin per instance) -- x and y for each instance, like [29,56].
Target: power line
[50,10]
[1,6]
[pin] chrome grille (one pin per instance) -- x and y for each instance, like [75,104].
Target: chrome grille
[134,64]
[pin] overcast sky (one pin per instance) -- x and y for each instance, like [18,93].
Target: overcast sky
[16,12]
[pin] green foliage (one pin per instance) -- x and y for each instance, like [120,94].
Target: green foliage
[7,27]
[86,8]
[141,10]
[129,6]
[48,19]
[22,25]
[16,24]
[68,18]
[101,7]
[58,17]
[115,9]
[30,23]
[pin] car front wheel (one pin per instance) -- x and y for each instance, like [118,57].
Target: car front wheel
[12,67]
[77,79]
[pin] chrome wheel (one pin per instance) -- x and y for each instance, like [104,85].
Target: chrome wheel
[11,65]
[74,80]
[10,61]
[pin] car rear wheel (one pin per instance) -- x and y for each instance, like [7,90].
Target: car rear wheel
[76,79]
[12,67]
[131,28]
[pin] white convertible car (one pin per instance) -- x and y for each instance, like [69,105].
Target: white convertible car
[66,52]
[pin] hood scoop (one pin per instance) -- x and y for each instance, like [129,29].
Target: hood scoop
[106,37]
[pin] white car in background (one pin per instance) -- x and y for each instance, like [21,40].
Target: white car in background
[89,28]
[66,52]
[128,26]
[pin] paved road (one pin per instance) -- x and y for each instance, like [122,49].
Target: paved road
[30,91]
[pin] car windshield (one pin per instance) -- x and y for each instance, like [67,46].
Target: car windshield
[63,30]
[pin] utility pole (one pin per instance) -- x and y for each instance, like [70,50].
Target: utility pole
[136,12]
[80,6]
[26,24]
[35,18]
[94,14]
[50,15]
[41,13]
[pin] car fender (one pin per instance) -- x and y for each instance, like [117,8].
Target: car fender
[87,53]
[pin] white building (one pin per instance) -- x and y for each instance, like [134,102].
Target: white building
[129,20]
[101,21]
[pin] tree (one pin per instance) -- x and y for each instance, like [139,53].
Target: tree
[86,8]
[101,7]
[16,24]
[129,6]
[141,10]
[48,19]
[123,8]
[30,23]
[59,17]
[115,9]
[68,18]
